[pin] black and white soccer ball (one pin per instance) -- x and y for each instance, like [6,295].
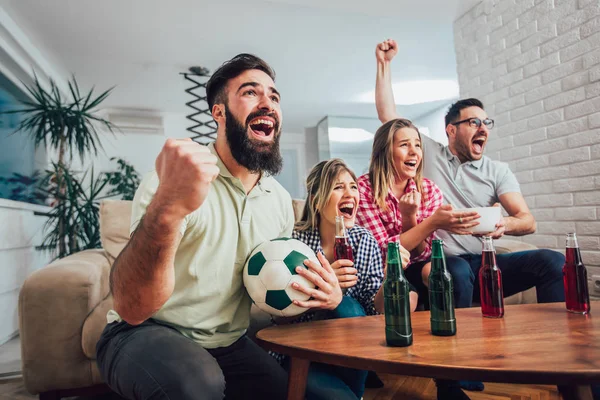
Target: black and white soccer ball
[270,272]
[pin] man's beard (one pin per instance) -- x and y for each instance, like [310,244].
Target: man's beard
[255,156]
[464,150]
[463,147]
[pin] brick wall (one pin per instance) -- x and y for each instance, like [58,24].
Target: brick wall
[535,64]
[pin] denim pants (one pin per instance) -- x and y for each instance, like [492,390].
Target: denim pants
[328,382]
[152,361]
[520,271]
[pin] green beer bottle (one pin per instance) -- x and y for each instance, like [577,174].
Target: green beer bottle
[441,293]
[398,329]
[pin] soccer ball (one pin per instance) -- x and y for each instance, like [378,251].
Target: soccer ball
[270,272]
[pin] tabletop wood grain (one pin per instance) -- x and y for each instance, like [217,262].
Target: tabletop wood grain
[533,343]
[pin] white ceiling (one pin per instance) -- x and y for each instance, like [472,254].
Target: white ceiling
[322,50]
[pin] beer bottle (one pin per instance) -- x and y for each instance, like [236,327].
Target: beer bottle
[398,329]
[490,282]
[577,296]
[441,293]
[341,248]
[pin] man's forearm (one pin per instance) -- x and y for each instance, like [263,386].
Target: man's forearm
[142,277]
[384,96]
[520,225]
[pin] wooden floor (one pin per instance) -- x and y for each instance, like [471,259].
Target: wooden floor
[396,387]
[411,388]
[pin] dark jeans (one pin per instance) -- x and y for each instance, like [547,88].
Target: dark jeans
[327,382]
[520,271]
[413,275]
[153,361]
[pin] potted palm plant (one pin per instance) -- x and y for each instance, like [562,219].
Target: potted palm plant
[69,126]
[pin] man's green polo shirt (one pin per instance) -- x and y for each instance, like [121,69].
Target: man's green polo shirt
[209,303]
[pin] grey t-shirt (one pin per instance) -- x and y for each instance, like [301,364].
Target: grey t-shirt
[465,185]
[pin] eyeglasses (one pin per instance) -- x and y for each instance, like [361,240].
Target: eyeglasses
[476,122]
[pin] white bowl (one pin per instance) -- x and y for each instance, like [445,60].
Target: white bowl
[490,216]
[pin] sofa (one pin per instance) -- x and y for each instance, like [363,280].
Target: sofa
[63,307]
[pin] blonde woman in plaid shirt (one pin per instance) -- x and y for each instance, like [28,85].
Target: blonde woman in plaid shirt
[332,190]
[398,204]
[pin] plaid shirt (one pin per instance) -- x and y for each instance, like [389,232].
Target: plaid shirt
[387,226]
[367,261]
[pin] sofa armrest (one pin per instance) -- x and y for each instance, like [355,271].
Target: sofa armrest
[53,305]
[503,246]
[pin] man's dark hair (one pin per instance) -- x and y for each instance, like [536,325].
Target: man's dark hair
[454,111]
[215,87]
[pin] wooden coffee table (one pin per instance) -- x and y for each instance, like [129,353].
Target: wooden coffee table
[533,343]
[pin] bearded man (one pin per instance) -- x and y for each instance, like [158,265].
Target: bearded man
[178,328]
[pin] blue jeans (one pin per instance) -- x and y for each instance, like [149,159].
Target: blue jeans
[520,271]
[326,382]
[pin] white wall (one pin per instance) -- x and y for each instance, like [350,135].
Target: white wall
[536,67]
[434,122]
[312,147]
[293,175]
[139,149]
[357,155]
[20,232]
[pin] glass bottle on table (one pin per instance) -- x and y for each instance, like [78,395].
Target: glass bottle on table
[398,328]
[490,282]
[341,248]
[577,297]
[441,293]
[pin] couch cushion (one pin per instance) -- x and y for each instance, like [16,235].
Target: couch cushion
[93,326]
[115,216]
[504,246]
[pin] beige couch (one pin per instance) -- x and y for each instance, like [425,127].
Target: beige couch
[62,311]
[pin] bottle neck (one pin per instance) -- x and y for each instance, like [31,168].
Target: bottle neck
[488,244]
[573,256]
[394,262]
[438,262]
[394,270]
[340,228]
[572,253]
[488,259]
[572,241]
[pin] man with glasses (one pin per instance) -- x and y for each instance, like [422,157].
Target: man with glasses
[468,179]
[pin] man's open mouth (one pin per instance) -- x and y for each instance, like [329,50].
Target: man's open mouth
[346,209]
[262,127]
[478,144]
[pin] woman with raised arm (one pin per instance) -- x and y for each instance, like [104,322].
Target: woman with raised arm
[397,201]
[398,204]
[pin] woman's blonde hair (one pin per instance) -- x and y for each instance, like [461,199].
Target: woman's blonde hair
[382,170]
[319,185]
